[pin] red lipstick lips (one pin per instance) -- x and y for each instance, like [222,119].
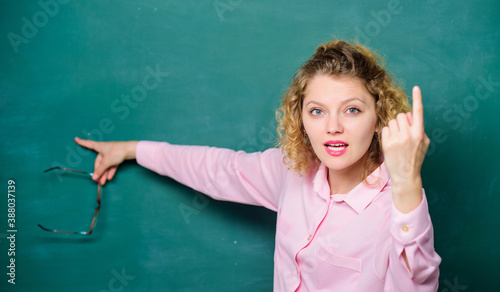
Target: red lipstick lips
[336,148]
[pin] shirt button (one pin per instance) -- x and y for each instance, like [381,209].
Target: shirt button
[405,228]
[309,237]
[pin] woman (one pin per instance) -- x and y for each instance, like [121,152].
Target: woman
[345,182]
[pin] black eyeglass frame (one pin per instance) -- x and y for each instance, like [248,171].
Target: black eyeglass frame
[94,219]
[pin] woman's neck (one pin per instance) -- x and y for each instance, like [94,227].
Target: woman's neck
[342,182]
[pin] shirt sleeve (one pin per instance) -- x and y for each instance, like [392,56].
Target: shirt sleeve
[222,174]
[413,234]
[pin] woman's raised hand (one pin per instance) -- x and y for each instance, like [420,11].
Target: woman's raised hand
[405,144]
[109,156]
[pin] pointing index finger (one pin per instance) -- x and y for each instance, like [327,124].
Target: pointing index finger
[86,143]
[418,108]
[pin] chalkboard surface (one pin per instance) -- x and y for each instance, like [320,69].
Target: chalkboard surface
[212,73]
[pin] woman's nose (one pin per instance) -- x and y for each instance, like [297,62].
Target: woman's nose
[334,125]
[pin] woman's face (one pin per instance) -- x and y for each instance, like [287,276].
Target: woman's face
[340,120]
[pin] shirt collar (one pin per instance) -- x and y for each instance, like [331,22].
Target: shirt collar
[360,196]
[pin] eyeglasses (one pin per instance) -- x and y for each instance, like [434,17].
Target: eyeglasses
[96,209]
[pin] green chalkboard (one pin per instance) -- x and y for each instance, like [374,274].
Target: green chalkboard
[213,73]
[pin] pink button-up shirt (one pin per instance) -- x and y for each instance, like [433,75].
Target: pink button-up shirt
[340,242]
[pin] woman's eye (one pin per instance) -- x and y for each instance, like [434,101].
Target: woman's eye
[352,110]
[316,112]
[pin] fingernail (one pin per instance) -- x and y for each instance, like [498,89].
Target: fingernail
[94,176]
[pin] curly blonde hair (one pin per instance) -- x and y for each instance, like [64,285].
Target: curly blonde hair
[341,59]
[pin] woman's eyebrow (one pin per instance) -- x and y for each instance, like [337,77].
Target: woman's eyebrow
[348,100]
[314,102]
[353,99]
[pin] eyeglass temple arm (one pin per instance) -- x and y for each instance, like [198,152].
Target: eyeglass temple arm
[68,169]
[61,231]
